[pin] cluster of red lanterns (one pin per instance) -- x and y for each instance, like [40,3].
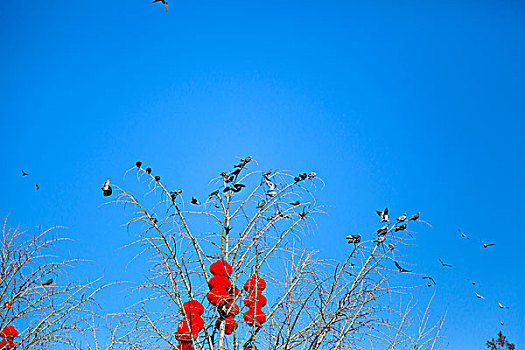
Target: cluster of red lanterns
[8,336]
[255,301]
[190,326]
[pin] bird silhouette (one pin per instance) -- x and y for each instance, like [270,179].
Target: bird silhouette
[463,235]
[106,188]
[213,194]
[430,279]
[383,230]
[486,245]
[195,201]
[238,187]
[303,176]
[402,217]
[355,238]
[312,175]
[269,183]
[157,178]
[383,215]
[414,217]
[479,296]
[162,1]
[297,179]
[24,173]
[261,204]
[138,164]
[148,171]
[48,282]
[400,268]
[295,203]
[502,306]
[37,187]
[401,228]
[267,172]
[443,264]
[379,239]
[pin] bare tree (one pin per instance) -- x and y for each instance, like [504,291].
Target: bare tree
[40,306]
[252,224]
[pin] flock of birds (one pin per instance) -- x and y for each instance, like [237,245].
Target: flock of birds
[401,224]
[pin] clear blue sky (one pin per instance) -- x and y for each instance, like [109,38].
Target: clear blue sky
[414,105]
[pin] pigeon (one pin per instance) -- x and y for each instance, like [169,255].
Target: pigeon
[213,194]
[106,188]
[261,204]
[175,193]
[430,279]
[272,193]
[267,172]
[295,203]
[297,179]
[463,235]
[443,264]
[138,164]
[401,228]
[414,217]
[383,230]
[195,201]
[303,176]
[162,1]
[479,296]
[402,217]
[312,175]
[356,238]
[148,171]
[157,178]
[486,245]
[24,173]
[400,268]
[383,215]
[37,187]
[502,306]
[48,282]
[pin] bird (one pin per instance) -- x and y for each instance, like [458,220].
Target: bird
[239,165]
[400,268]
[163,1]
[246,160]
[402,217]
[261,204]
[157,178]
[48,282]
[195,201]
[272,193]
[303,214]
[502,306]
[269,183]
[227,188]
[37,187]
[401,228]
[295,203]
[463,235]
[238,187]
[486,245]
[355,238]
[303,176]
[312,175]
[213,194]
[414,217]
[501,323]
[267,172]
[479,296]
[297,179]
[175,193]
[391,246]
[473,283]
[106,188]
[383,230]
[24,173]
[379,239]
[148,171]
[383,215]
[138,163]
[443,264]
[429,278]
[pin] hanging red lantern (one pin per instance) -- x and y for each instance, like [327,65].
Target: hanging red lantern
[7,345]
[183,333]
[221,267]
[253,299]
[229,325]
[9,332]
[193,307]
[231,308]
[219,281]
[218,297]
[260,317]
[255,283]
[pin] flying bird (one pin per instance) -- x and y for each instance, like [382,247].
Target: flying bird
[463,235]
[402,217]
[383,215]
[106,188]
[501,323]
[162,1]
[24,173]
[48,282]
[479,296]
[195,201]
[430,279]
[138,164]
[414,217]
[295,203]
[486,245]
[502,306]
[400,268]
[443,264]
[355,238]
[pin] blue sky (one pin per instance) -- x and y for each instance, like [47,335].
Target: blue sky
[414,105]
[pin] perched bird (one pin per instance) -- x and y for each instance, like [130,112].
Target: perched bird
[414,217]
[502,306]
[24,173]
[379,239]
[238,187]
[239,165]
[138,164]
[175,193]
[295,203]
[267,172]
[303,214]
[148,171]
[261,204]
[297,179]
[400,268]
[269,183]
[402,217]
[383,230]
[224,175]
[48,282]
[227,188]
[213,194]
[443,264]
[37,187]
[246,160]
[486,245]
[401,228]
[391,246]
[501,323]
[312,175]
[383,215]
[272,193]
[429,278]
[303,176]
[479,296]
[463,235]
[162,1]
[106,188]
[157,178]
[355,238]
[195,201]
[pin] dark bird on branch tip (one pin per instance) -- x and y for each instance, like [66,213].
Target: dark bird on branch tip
[402,217]
[268,183]
[236,171]
[154,220]
[195,201]
[401,228]
[297,179]
[391,246]
[246,160]
[429,278]
[355,238]
[106,188]
[213,194]
[295,203]
[239,165]
[379,239]
[443,264]
[312,175]
[37,187]
[267,172]
[24,173]
[501,323]
[162,1]
[463,234]
[303,176]
[383,230]
[48,282]
[303,214]
[383,215]
[148,171]
[400,268]
[502,306]
[479,296]
[157,178]
[486,245]
[227,188]
[414,217]
[261,204]
[138,164]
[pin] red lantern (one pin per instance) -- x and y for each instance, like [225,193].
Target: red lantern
[193,307]
[251,299]
[183,346]
[232,308]
[9,332]
[255,283]
[235,293]
[7,345]
[221,268]
[183,332]
[219,281]
[218,297]
[260,317]
[229,325]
